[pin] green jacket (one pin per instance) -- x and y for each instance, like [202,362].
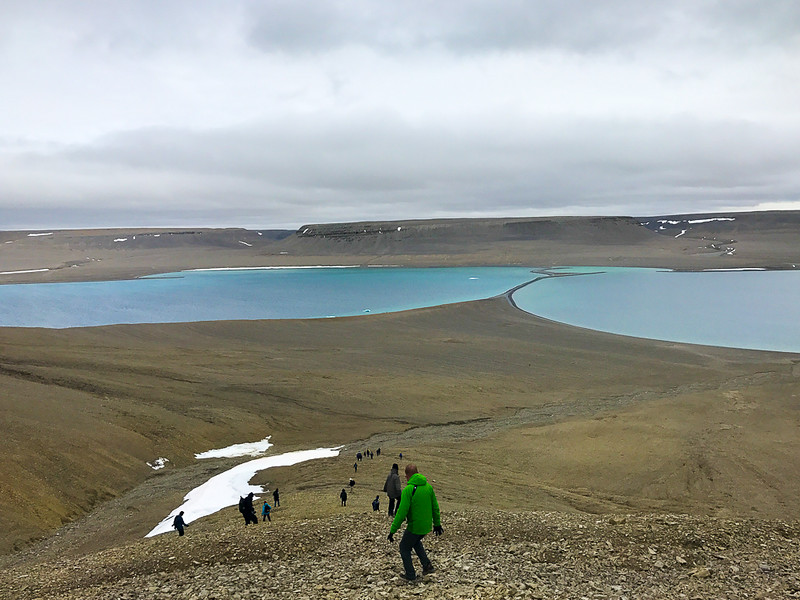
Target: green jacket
[421,510]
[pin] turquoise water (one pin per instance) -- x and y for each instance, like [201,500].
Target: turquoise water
[249,294]
[740,309]
[744,309]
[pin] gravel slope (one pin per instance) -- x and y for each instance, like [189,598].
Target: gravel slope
[481,555]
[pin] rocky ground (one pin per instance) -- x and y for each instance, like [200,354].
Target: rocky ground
[484,555]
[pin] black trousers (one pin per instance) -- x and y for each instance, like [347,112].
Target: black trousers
[412,541]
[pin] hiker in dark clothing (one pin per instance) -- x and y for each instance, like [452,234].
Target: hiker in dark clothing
[355,467]
[352,483]
[248,510]
[178,523]
[376,504]
[343,497]
[265,510]
[378,452]
[358,456]
[243,510]
[418,505]
[276,497]
[393,488]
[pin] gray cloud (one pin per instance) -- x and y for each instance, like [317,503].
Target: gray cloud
[474,26]
[376,167]
[280,113]
[467,26]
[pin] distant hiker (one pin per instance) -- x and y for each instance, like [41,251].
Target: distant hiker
[358,456]
[401,456]
[393,488]
[243,510]
[371,455]
[276,497]
[178,523]
[352,483]
[376,504]
[378,452]
[247,509]
[343,497]
[418,499]
[265,510]
[355,467]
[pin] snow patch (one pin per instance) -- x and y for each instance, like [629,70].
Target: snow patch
[271,268]
[25,271]
[245,449]
[158,463]
[225,489]
[695,221]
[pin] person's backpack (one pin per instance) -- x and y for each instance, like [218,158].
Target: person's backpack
[241,505]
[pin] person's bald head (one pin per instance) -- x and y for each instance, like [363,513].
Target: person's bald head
[411,469]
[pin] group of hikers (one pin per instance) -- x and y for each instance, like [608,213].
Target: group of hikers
[414,503]
[416,498]
[249,512]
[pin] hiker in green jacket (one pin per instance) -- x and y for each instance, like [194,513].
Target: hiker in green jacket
[418,506]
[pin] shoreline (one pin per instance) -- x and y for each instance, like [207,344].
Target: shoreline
[18,277]
[542,272]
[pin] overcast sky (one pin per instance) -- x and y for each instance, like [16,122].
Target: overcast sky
[274,114]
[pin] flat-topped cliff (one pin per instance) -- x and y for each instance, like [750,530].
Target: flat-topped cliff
[684,241]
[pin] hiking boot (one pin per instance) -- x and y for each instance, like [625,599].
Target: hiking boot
[407,578]
[428,570]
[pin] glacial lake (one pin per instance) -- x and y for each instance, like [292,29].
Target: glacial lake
[744,309]
[215,295]
[738,309]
